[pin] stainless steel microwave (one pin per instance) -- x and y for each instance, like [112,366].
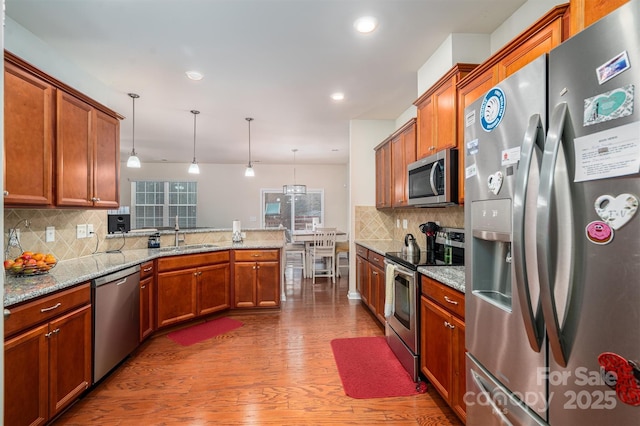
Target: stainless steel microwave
[433,180]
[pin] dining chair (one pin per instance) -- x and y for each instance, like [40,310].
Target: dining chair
[323,249]
[295,255]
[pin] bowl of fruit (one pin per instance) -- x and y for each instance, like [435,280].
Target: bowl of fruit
[30,263]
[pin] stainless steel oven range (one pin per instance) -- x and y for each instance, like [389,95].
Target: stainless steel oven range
[402,328]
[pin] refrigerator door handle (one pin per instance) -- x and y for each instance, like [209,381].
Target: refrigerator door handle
[523,220]
[554,192]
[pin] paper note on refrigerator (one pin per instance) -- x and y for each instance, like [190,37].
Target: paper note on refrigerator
[610,153]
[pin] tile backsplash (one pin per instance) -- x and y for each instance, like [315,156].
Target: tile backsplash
[66,245]
[370,224]
[373,224]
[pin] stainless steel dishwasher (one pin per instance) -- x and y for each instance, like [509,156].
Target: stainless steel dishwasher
[116,319]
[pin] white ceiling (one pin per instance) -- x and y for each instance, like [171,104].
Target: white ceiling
[277,61]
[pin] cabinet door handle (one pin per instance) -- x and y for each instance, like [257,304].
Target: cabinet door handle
[51,308]
[453,302]
[7,313]
[150,268]
[449,325]
[195,274]
[95,198]
[256,255]
[143,287]
[6,193]
[199,273]
[375,273]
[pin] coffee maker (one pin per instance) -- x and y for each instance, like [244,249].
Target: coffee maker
[430,229]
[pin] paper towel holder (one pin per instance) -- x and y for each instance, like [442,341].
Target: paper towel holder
[236,236]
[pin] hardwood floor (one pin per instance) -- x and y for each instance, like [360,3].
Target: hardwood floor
[276,369]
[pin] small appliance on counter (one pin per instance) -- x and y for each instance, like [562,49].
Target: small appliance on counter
[154,241]
[430,229]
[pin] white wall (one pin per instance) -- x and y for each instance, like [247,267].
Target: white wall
[225,194]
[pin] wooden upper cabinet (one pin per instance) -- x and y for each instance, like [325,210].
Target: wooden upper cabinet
[88,155]
[383,175]
[57,137]
[403,153]
[29,105]
[438,112]
[586,12]
[74,147]
[548,37]
[106,160]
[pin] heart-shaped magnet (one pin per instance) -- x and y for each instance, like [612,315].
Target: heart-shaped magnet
[494,182]
[616,211]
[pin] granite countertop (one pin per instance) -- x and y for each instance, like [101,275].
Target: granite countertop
[452,276]
[68,273]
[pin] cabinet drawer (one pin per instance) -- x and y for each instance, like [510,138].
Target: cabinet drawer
[445,296]
[255,255]
[192,260]
[146,270]
[361,251]
[376,259]
[42,309]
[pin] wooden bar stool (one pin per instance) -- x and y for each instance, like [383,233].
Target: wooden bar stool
[342,248]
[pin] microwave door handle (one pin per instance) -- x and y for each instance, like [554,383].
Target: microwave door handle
[531,148]
[432,178]
[554,164]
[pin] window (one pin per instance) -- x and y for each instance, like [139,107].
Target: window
[291,212]
[155,204]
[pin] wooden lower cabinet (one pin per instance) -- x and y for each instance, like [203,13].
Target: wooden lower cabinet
[147,305]
[47,364]
[362,277]
[256,278]
[189,286]
[214,288]
[370,280]
[442,350]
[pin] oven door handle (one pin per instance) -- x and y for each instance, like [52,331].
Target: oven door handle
[400,270]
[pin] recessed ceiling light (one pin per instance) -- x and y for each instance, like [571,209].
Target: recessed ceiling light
[337,96]
[366,24]
[194,75]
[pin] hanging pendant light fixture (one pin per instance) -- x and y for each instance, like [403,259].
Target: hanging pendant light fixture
[133,161]
[249,172]
[193,168]
[294,189]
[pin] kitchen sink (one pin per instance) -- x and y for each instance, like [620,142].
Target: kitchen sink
[188,247]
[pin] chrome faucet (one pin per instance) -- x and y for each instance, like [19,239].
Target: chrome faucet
[177,229]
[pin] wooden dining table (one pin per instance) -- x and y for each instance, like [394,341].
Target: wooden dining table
[306,236]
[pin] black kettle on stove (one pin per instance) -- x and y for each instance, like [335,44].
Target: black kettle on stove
[430,229]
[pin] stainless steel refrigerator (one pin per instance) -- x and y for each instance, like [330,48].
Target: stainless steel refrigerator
[552,183]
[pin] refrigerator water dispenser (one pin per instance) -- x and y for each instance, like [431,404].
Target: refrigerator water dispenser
[491,263]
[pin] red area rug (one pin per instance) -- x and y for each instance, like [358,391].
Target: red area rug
[206,330]
[369,369]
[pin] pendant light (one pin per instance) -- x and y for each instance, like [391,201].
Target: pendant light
[294,189]
[193,168]
[133,161]
[249,172]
